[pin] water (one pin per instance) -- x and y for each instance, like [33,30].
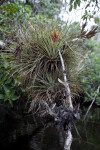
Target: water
[24,134]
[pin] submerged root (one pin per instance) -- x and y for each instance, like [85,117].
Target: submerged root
[63,116]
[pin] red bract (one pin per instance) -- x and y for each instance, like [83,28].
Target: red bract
[54,36]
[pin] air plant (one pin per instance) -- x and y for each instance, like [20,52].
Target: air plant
[34,57]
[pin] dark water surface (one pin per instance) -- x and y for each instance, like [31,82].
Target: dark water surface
[25,135]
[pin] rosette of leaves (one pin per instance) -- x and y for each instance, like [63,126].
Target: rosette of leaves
[34,56]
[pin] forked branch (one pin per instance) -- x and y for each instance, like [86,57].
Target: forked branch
[65,83]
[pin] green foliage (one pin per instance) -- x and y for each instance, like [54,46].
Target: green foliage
[89,13]
[47,8]
[16,13]
[91,75]
[13,14]
[9,90]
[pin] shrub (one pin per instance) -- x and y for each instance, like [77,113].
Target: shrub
[91,75]
[9,87]
[13,13]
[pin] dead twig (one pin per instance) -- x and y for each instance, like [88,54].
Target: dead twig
[77,130]
[88,34]
[92,103]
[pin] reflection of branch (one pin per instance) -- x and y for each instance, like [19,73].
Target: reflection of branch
[92,103]
[68,140]
[65,83]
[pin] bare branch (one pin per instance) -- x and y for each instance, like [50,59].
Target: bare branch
[65,83]
[83,27]
[92,103]
[60,81]
[77,130]
[48,109]
[63,67]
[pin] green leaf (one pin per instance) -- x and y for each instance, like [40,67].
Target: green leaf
[96,20]
[6,89]
[8,81]
[70,9]
[2,96]
[14,97]
[87,6]
[3,28]
[75,5]
[71,1]
[78,2]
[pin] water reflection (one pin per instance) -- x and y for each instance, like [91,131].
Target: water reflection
[25,135]
[68,140]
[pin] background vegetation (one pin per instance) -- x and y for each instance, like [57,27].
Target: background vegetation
[91,75]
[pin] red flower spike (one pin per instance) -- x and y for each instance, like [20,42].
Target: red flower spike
[54,36]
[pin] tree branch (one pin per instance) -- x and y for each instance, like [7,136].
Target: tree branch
[65,83]
[48,109]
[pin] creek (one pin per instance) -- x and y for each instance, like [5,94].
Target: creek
[24,134]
